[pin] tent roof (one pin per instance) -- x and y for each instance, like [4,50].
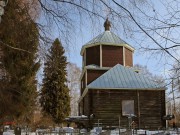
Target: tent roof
[106,38]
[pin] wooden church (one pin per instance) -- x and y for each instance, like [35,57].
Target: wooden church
[112,91]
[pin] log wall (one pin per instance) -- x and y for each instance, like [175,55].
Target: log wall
[106,105]
[128,57]
[112,55]
[93,55]
[94,74]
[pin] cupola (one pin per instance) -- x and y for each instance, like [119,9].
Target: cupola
[107,50]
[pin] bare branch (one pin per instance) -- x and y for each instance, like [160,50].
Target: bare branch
[130,15]
[81,7]
[19,49]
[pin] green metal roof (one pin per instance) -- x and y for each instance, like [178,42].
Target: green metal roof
[124,78]
[106,38]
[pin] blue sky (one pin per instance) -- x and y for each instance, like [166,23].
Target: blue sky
[139,58]
[85,29]
[156,62]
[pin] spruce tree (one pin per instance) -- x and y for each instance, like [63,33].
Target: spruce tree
[18,30]
[55,99]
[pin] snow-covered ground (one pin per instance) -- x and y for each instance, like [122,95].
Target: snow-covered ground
[112,132]
[8,132]
[11,132]
[148,132]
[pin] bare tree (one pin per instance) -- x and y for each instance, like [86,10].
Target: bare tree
[143,70]
[178,114]
[157,30]
[74,73]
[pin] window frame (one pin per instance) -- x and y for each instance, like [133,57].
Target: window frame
[125,104]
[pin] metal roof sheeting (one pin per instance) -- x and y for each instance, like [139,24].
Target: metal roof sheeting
[107,37]
[124,78]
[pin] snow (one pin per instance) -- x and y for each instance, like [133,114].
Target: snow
[8,132]
[112,132]
[11,132]
[147,132]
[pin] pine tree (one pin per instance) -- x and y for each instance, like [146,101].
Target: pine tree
[55,99]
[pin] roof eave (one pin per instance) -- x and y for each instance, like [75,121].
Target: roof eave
[112,44]
[86,90]
[92,68]
[129,88]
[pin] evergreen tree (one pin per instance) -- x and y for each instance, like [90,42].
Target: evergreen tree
[55,99]
[18,30]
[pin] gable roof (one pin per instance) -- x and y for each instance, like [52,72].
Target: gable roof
[106,38]
[123,78]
